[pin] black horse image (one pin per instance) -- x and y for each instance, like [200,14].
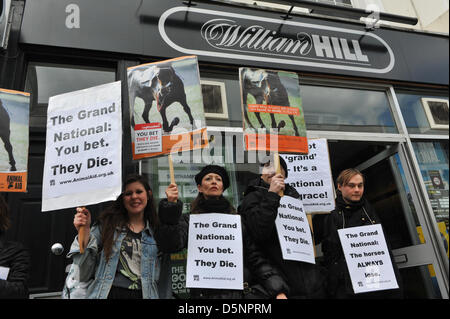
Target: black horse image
[5,133]
[161,84]
[266,88]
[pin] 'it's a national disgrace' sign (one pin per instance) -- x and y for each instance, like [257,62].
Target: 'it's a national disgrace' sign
[215,252]
[83,155]
[311,176]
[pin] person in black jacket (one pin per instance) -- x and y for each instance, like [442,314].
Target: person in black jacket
[14,259]
[211,181]
[259,209]
[352,210]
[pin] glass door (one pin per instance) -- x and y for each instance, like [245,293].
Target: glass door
[390,189]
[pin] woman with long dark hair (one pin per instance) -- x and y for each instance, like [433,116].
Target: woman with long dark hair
[211,182]
[122,259]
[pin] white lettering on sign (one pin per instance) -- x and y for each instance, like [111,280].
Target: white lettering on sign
[73,17]
[253,38]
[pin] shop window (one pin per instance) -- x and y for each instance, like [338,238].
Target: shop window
[214,99]
[437,112]
[414,110]
[346,109]
[433,162]
[46,80]
[221,97]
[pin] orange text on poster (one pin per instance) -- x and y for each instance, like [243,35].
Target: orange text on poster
[178,143]
[13,181]
[268,142]
[277,109]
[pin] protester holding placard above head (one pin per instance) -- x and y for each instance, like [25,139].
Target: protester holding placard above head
[352,210]
[14,261]
[211,182]
[259,210]
[121,259]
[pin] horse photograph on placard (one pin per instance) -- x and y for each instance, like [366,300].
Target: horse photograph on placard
[272,106]
[14,120]
[166,95]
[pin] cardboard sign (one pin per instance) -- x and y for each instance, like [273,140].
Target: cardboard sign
[367,257]
[169,93]
[293,231]
[215,254]
[272,113]
[311,176]
[83,155]
[14,141]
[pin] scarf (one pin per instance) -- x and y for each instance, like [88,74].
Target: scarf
[351,206]
[219,205]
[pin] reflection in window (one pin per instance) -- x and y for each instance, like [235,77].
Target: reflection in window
[433,162]
[414,113]
[343,109]
[46,80]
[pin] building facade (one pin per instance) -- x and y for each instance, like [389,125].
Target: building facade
[368,91]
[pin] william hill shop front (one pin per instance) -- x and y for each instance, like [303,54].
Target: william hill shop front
[378,96]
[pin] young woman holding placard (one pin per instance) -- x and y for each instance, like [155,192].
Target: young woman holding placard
[122,259]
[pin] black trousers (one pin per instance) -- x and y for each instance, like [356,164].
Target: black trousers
[124,293]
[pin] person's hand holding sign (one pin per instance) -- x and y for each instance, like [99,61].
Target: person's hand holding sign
[277,183]
[82,223]
[172,193]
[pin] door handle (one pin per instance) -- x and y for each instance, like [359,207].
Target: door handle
[401,259]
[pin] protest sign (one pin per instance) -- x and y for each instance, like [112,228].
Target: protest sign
[215,255]
[293,231]
[367,257]
[83,155]
[166,107]
[14,128]
[311,176]
[272,113]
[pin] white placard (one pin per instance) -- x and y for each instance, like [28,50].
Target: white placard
[293,231]
[367,257]
[215,255]
[83,155]
[311,176]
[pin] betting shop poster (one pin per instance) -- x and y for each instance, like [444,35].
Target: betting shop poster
[166,107]
[272,111]
[14,128]
[83,155]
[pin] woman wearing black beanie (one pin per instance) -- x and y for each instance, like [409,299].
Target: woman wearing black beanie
[211,182]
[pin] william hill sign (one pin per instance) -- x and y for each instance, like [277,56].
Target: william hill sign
[245,37]
[238,36]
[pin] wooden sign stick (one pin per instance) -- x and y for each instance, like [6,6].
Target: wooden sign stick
[82,234]
[172,175]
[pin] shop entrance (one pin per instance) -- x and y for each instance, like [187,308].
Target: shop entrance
[388,190]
